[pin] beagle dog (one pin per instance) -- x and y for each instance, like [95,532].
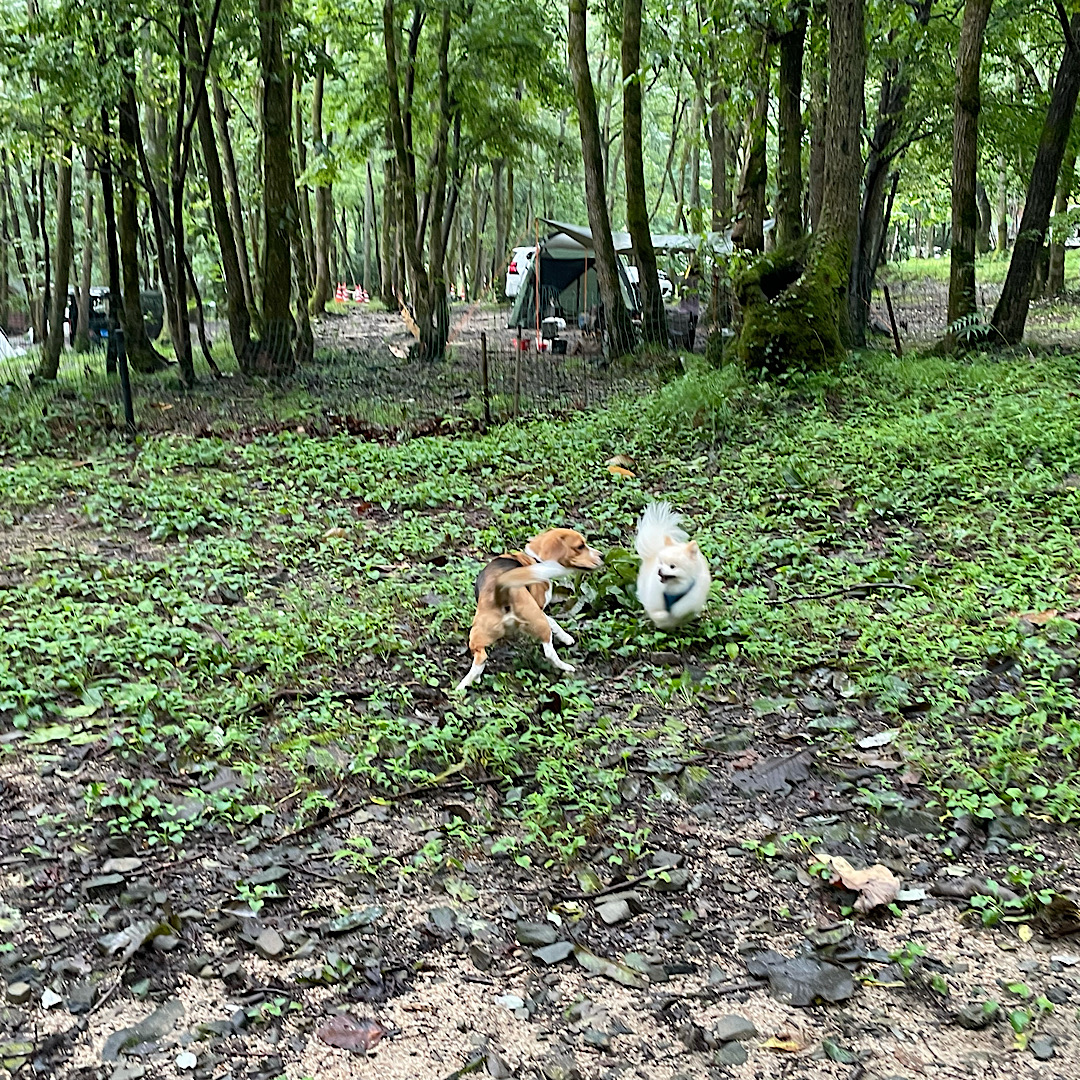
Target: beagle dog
[513,590]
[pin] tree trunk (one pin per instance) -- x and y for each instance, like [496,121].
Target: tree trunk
[141,354]
[303,197]
[153,154]
[789,226]
[236,214]
[1010,315]
[748,232]
[653,316]
[54,343]
[86,267]
[982,204]
[696,215]
[718,155]
[819,80]
[1002,244]
[236,306]
[322,204]
[619,329]
[386,267]
[965,215]
[369,214]
[499,199]
[16,239]
[1055,281]
[279,195]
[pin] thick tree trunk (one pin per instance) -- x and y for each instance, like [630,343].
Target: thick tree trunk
[86,265]
[275,357]
[653,316]
[748,232]
[619,329]
[1010,315]
[54,343]
[789,224]
[322,206]
[819,78]
[842,178]
[965,215]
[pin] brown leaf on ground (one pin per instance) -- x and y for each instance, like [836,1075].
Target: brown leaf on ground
[347,1032]
[876,885]
[1040,618]
[618,470]
[748,760]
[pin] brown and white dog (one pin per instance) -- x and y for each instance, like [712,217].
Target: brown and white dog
[513,590]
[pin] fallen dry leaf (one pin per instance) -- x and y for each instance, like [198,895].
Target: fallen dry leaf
[788,1046]
[748,760]
[876,885]
[348,1033]
[618,470]
[336,531]
[1040,618]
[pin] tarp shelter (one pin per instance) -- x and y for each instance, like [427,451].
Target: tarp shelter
[567,277]
[568,286]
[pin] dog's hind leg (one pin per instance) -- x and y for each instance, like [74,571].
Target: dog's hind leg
[477,669]
[553,656]
[559,632]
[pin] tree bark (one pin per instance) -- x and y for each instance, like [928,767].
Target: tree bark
[303,198]
[322,204]
[86,266]
[275,357]
[842,177]
[1002,244]
[1010,315]
[619,329]
[54,343]
[965,215]
[789,224]
[17,243]
[748,232]
[369,214]
[819,78]
[718,155]
[653,317]
[1055,283]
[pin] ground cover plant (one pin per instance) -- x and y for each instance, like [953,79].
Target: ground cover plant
[244,641]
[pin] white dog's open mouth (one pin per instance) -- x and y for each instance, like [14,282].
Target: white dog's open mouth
[665,578]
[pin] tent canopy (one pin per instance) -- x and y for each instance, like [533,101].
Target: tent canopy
[663,243]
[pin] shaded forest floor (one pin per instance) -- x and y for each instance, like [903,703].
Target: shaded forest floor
[239,796]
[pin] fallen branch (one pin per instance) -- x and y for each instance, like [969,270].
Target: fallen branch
[865,586]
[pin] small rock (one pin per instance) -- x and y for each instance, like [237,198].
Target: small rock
[186,1060]
[122,866]
[103,882]
[614,911]
[131,1070]
[19,993]
[731,1053]
[49,998]
[1058,995]
[166,943]
[533,933]
[80,997]
[600,1039]
[497,1066]
[731,1027]
[1043,1048]
[975,1017]
[672,881]
[554,953]
[480,957]
[510,1001]
[270,944]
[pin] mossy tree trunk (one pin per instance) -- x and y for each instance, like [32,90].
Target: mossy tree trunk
[1010,315]
[789,219]
[86,262]
[965,214]
[54,343]
[819,80]
[748,230]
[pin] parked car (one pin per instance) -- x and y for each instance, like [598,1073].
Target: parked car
[667,290]
[520,262]
[153,307]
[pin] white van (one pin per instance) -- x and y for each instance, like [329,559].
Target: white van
[520,261]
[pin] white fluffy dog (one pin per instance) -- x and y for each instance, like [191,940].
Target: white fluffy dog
[673,582]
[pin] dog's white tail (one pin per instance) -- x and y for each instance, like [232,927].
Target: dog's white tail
[658,528]
[532,575]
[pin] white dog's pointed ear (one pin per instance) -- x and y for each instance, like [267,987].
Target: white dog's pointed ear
[692,548]
[668,542]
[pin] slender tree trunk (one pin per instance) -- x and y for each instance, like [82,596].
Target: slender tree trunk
[819,78]
[54,343]
[141,354]
[1010,315]
[153,153]
[620,331]
[16,238]
[718,155]
[499,200]
[236,213]
[369,214]
[982,204]
[279,195]
[86,267]
[303,197]
[653,317]
[965,215]
[748,232]
[789,225]
[696,215]
[1002,244]
[322,206]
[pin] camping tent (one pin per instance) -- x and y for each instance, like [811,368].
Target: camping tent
[567,278]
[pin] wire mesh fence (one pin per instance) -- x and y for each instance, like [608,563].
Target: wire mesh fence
[369,380]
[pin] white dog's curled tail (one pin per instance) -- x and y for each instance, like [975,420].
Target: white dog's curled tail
[658,528]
